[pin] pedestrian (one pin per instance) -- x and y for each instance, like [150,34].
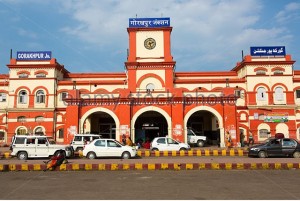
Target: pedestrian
[129,142]
[251,139]
[242,138]
[228,139]
[124,139]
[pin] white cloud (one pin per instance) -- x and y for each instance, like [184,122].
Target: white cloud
[289,13]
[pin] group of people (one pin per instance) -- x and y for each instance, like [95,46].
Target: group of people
[228,140]
[139,143]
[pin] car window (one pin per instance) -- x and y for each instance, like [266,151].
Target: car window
[111,143]
[42,140]
[100,143]
[30,140]
[171,141]
[274,142]
[288,143]
[77,138]
[161,140]
[20,140]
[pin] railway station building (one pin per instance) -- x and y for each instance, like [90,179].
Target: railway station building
[260,94]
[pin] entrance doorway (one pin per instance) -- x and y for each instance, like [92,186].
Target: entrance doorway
[149,125]
[100,123]
[206,124]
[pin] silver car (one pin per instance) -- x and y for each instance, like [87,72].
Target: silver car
[108,148]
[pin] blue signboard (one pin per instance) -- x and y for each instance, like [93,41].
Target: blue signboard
[36,55]
[268,51]
[149,22]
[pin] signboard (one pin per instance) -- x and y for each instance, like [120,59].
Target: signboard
[276,117]
[34,56]
[268,51]
[149,22]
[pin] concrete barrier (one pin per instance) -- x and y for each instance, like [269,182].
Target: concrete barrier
[153,166]
[193,152]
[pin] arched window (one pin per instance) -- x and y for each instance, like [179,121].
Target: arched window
[150,87]
[21,119]
[40,96]
[279,95]
[21,131]
[261,94]
[39,131]
[39,118]
[23,97]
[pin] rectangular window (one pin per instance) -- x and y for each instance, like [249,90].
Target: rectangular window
[297,93]
[40,99]
[40,75]
[237,93]
[23,75]
[2,97]
[63,95]
[61,133]
[263,133]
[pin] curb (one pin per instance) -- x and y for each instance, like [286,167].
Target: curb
[156,166]
[195,152]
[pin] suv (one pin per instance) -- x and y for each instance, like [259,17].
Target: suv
[168,144]
[79,140]
[192,138]
[36,146]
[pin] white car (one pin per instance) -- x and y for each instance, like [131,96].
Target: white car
[79,140]
[108,148]
[168,144]
[36,146]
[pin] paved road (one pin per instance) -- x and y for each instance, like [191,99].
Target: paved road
[174,185]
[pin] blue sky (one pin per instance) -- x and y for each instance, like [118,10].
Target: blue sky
[91,36]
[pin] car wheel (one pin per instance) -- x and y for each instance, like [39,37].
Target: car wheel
[91,155]
[22,155]
[126,155]
[182,149]
[155,149]
[296,154]
[262,154]
[200,143]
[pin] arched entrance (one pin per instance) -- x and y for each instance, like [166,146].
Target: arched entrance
[100,121]
[205,121]
[206,124]
[149,125]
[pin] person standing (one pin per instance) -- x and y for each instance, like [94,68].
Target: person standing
[124,139]
[251,139]
[242,138]
[228,139]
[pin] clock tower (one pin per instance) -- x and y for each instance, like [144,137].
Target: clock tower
[149,51]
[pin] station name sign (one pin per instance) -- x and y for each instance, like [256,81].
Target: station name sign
[268,51]
[149,22]
[34,56]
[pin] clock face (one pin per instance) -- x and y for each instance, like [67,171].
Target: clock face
[149,43]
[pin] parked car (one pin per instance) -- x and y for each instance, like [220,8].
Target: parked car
[276,147]
[79,140]
[192,138]
[108,148]
[168,144]
[36,146]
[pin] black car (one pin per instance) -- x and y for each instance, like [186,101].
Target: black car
[276,147]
